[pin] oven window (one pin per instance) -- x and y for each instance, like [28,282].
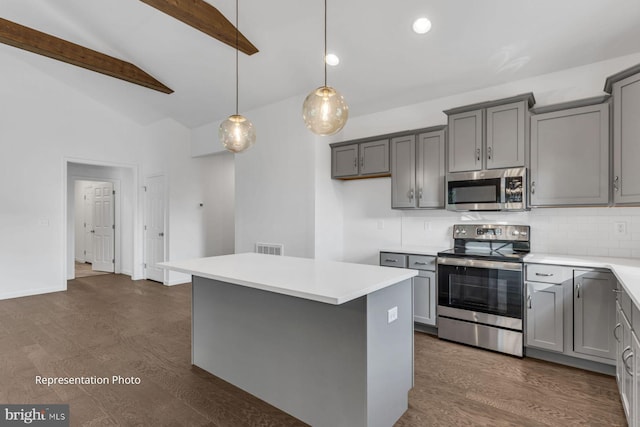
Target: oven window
[490,291]
[477,191]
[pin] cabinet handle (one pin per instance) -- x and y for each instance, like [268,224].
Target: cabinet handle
[355,162]
[419,263]
[624,352]
[616,183]
[420,194]
[544,274]
[362,162]
[411,194]
[533,187]
[614,332]
[578,290]
[477,154]
[617,291]
[488,153]
[529,300]
[624,362]
[390,260]
[161,234]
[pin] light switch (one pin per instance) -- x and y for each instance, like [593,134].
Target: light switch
[392,314]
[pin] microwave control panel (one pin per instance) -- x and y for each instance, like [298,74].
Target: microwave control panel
[513,189]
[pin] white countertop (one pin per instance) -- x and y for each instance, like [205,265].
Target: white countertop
[414,249]
[626,270]
[324,281]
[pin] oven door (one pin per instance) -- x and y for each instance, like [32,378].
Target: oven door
[481,291]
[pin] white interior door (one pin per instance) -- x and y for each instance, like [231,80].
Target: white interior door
[154,228]
[88,223]
[103,227]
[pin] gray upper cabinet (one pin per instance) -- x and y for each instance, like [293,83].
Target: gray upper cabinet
[489,135]
[360,159]
[403,172]
[430,169]
[625,87]
[418,169]
[570,155]
[594,313]
[374,157]
[465,141]
[344,161]
[506,135]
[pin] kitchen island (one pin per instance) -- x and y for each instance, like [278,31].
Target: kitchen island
[330,343]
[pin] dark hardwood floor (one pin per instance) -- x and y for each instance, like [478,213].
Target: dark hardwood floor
[108,325]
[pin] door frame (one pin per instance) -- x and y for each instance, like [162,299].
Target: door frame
[68,215]
[165,220]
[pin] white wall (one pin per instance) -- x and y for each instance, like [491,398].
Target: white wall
[42,123]
[366,203]
[275,190]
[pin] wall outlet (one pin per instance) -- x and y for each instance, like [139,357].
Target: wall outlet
[620,228]
[392,314]
[427,225]
[380,224]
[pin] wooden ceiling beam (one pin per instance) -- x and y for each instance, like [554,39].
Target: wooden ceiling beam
[53,47]
[202,16]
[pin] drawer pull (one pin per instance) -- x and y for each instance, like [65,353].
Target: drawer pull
[420,263]
[544,274]
[390,260]
[614,332]
[617,291]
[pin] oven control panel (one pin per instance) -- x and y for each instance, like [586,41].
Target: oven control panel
[491,232]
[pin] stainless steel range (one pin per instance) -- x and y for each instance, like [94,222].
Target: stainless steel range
[481,285]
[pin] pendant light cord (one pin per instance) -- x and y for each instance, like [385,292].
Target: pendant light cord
[237,78]
[324,59]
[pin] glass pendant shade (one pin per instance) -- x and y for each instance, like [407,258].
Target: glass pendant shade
[325,111]
[237,133]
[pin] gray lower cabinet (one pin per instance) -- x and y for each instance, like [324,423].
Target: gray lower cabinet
[424,285]
[424,295]
[594,313]
[570,157]
[545,316]
[625,87]
[624,351]
[360,160]
[571,311]
[418,170]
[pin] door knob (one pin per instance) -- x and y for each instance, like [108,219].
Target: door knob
[93,231]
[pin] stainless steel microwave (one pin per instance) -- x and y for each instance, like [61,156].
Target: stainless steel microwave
[487,190]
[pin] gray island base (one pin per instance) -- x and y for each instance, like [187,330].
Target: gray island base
[326,364]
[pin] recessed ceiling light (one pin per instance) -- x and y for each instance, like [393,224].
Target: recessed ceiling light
[332,59]
[421,25]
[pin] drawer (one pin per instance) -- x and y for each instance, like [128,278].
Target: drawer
[422,262]
[626,305]
[548,273]
[389,259]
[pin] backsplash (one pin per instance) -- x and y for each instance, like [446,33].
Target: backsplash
[570,231]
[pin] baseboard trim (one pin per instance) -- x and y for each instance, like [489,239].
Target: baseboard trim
[31,292]
[574,362]
[175,282]
[427,329]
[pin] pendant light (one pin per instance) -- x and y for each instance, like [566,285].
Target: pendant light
[325,111]
[237,132]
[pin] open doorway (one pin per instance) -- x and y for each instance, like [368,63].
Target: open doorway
[94,228]
[100,228]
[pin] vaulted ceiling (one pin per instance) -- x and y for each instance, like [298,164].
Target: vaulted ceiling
[472,44]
